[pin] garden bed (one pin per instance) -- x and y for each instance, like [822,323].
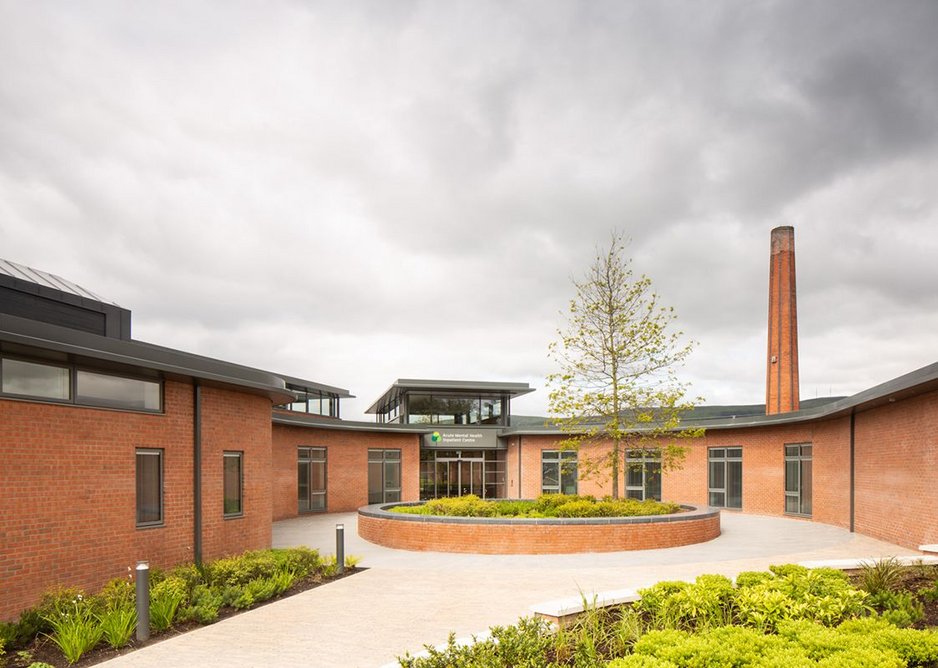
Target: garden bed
[790,616]
[384,524]
[197,596]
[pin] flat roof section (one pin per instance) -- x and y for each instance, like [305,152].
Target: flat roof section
[402,385]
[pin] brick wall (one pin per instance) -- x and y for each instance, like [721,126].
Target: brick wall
[763,468]
[346,465]
[897,471]
[485,538]
[68,498]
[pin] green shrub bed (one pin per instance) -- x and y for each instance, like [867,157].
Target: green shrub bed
[67,624]
[547,505]
[786,617]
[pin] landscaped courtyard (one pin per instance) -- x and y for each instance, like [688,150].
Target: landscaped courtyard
[404,600]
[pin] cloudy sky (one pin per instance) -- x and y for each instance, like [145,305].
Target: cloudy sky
[355,192]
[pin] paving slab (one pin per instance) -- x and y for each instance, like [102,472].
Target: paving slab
[404,600]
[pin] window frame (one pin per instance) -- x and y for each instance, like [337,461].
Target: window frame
[73,370]
[640,463]
[725,459]
[561,459]
[800,458]
[388,456]
[325,478]
[160,454]
[239,456]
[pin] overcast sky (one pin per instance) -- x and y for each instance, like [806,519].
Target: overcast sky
[355,192]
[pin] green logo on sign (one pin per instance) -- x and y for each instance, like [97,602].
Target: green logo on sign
[435,437]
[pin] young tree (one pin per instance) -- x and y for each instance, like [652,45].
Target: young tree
[617,357]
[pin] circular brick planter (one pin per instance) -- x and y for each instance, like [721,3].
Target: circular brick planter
[491,535]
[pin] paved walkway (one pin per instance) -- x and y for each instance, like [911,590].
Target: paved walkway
[406,599]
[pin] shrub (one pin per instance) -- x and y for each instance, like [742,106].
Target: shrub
[117,624]
[165,598]
[75,629]
[203,605]
[547,505]
[884,575]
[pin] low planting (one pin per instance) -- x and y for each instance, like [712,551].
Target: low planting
[76,623]
[547,505]
[787,616]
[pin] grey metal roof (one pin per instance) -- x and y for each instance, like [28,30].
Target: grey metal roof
[313,385]
[319,422]
[459,386]
[44,278]
[85,345]
[916,382]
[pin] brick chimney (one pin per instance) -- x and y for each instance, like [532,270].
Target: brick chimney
[781,385]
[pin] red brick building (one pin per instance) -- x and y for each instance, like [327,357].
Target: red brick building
[113,450]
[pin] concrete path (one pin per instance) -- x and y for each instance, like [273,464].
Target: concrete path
[407,599]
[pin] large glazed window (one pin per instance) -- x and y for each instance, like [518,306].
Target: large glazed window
[457,409]
[149,487]
[98,389]
[32,379]
[643,474]
[726,477]
[460,472]
[233,484]
[798,479]
[558,472]
[311,480]
[384,476]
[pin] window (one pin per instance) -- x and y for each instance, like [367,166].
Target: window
[233,484]
[98,389]
[149,487]
[456,409]
[311,477]
[643,474]
[726,477]
[384,476]
[31,379]
[798,474]
[313,402]
[558,471]
[63,382]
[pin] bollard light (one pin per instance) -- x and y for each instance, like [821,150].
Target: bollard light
[340,548]
[143,600]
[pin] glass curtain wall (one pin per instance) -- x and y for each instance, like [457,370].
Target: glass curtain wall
[453,409]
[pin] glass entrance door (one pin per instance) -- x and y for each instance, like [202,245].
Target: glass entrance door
[458,477]
[461,472]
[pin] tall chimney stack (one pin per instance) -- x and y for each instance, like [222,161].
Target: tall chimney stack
[781,386]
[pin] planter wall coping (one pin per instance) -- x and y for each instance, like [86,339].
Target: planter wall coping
[378,511]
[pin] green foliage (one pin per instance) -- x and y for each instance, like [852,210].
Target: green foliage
[884,575]
[824,595]
[75,629]
[682,605]
[117,623]
[352,560]
[617,356]
[203,605]
[547,505]
[118,593]
[523,645]
[165,598]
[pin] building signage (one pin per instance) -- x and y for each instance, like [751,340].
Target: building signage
[465,438]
